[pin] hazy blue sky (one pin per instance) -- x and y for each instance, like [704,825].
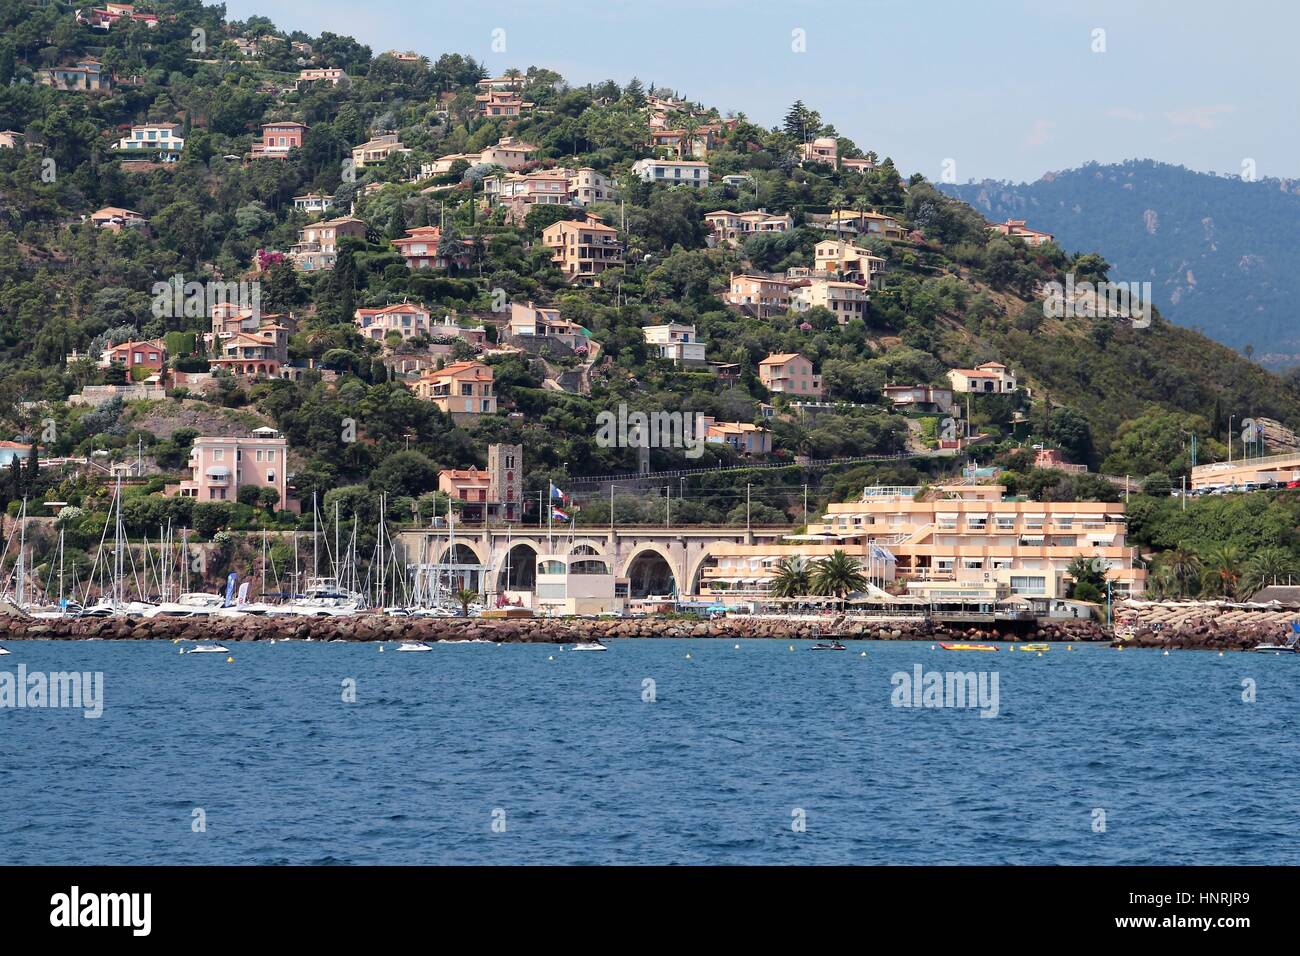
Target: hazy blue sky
[1006,89]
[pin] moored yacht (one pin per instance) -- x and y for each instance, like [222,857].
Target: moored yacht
[208,649]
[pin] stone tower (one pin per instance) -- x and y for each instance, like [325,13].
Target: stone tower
[506,480]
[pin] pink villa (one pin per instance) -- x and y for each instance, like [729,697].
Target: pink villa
[221,466]
[278,139]
[405,319]
[502,103]
[419,247]
[790,373]
[102,19]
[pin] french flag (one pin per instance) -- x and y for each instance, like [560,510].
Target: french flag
[557,493]
[559,515]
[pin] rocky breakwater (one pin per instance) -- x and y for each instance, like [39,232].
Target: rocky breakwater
[376,627]
[1207,636]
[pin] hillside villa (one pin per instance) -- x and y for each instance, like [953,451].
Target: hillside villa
[675,342]
[991,377]
[545,322]
[764,295]
[115,219]
[278,139]
[672,172]
[919,398]
[1017,229]
[733,227]
[847,300]
[789,373]
[317,245]
[461,389]
[405,319]
[220,466]
[583,250]
[823,149]
[849,261]
[162,139]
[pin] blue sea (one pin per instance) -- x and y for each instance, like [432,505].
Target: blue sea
[748,754]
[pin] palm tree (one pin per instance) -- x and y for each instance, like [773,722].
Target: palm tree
[1161,584]
[1221,570]
[791,578]
[838,575]
[1266,567]
[1184,565]
[466,597]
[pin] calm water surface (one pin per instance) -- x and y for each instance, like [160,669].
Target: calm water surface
[582,770]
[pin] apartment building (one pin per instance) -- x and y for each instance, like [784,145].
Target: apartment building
[1018,229]
[405,319]
[583,250]
[675,342]
[764,295]
[849,261]
[957,543]
[462,389]
[989,377]
[672,172]
[221,466]
[789,373]
[846,300]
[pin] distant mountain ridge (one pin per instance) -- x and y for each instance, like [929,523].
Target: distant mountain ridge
[1222,253]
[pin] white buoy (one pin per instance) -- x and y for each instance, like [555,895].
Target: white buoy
[863,654]
[688,657]
[736,648]
[551,658]
[381,648]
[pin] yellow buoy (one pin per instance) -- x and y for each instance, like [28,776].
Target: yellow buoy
[230,660]
[1069,647]
[1040,653]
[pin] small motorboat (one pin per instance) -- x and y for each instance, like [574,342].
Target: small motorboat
[968,647]
[207,649]
[589,646]
[832,646]
[414,646]
[3,652]
[1034,647]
